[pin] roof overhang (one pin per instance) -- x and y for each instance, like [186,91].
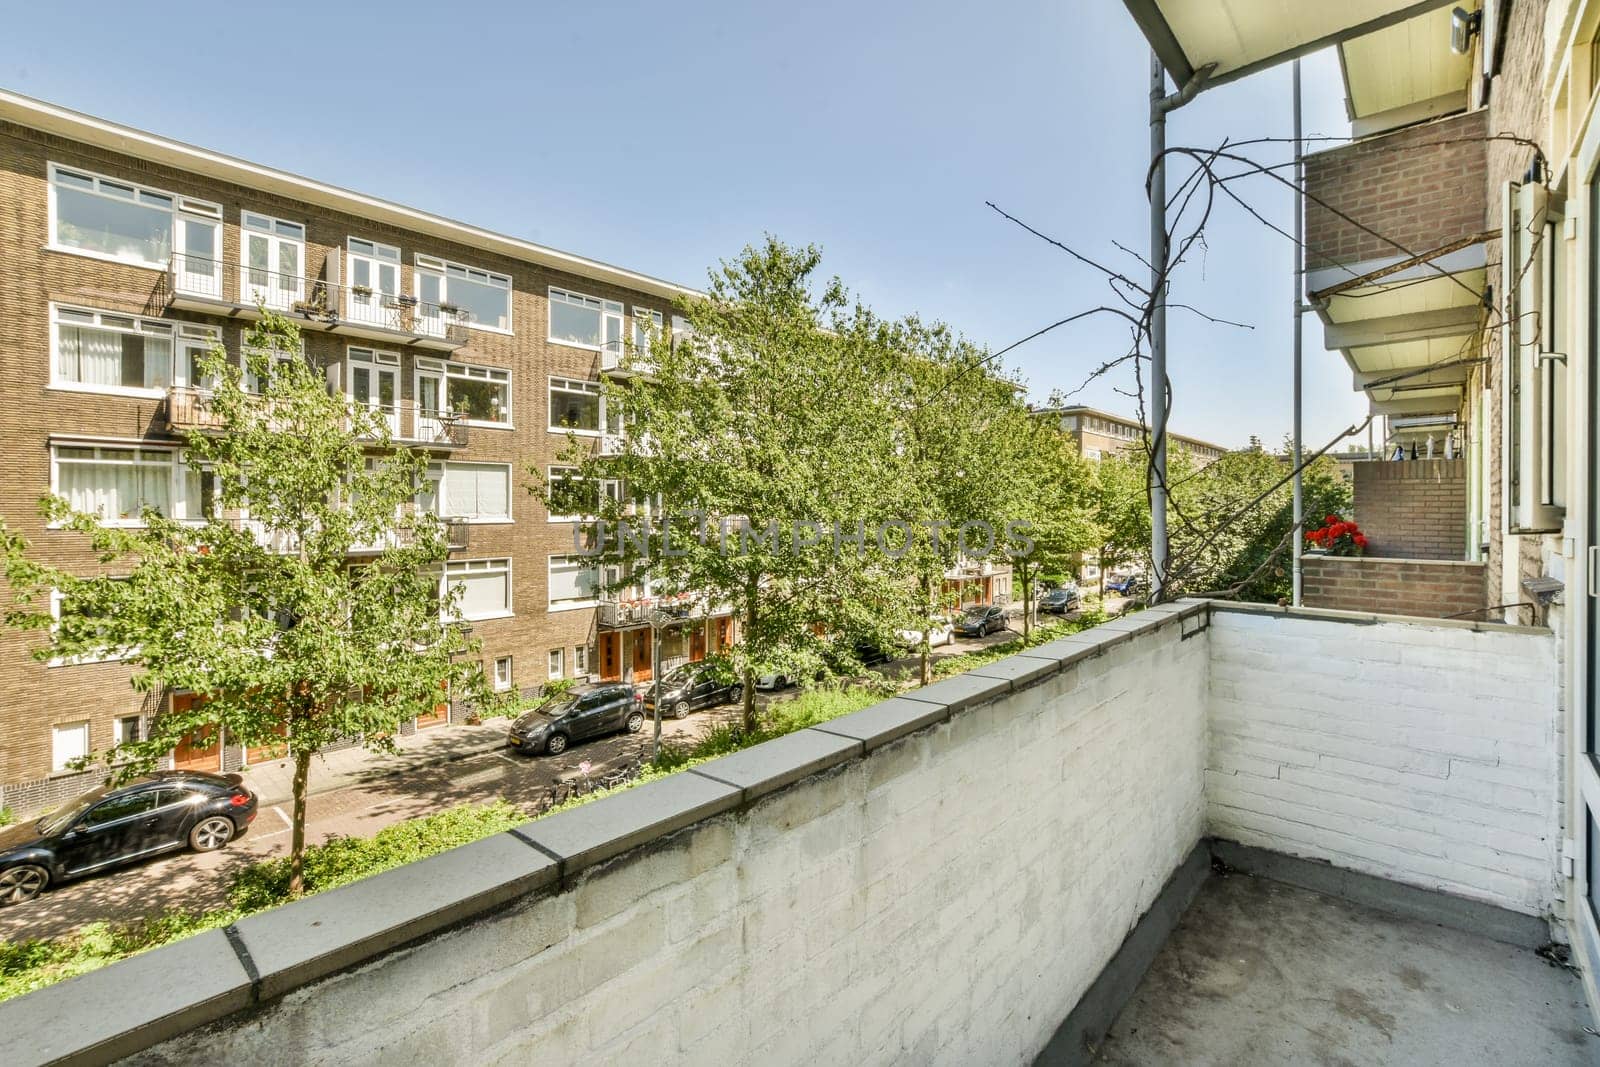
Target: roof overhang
[76,126]
[1405,73]
[1244,36]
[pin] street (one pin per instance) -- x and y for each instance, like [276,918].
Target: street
[200,880]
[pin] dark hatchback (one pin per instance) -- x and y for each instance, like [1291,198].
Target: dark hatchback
[112,826]
[577,715]
[1060,600]
[688,688]
[980,621]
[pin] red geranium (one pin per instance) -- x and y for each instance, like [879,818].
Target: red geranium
[1338,538]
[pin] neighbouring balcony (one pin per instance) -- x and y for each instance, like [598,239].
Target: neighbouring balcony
[621,611]
[1204,833]
[189,409]
[217,287]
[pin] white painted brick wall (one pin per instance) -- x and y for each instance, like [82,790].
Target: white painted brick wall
[1424,754]
[945,900]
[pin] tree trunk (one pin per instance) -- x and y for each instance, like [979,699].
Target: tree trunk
[1027,605]
[926,672]
[749,671]
[1101,557]
[297,825]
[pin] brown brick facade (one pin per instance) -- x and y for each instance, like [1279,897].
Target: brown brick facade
[1413,509]
[1403,193]
[33,696]
[1433,589]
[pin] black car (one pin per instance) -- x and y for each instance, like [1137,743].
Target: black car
[980,620]
[688,688]
[111,826]
[1060,600]
[577,715]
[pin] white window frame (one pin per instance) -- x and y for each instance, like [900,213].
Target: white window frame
[377,359]
[277,231]
[580,661]
[441,268]
[466,372]
[575,385]
[177,493]
[556,664]
[436,475]
[568,605]
[609,487]
[646,319]
[377,254]
[503,680]
[276,354]
[119,735]
[479,566]
[191,336]
[142,326]
[57,764]
[178,205]
[609,311]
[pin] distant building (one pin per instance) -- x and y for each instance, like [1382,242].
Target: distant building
[1099,432]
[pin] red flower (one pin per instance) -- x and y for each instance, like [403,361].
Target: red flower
[1331,519]
[1361,540]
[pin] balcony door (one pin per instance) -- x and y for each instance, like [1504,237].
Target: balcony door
[274,253]
[374,284]
[375,383]
[198,265]
[430,405]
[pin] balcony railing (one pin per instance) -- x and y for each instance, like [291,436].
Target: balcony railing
[622,610]
[201,283]
[188,408]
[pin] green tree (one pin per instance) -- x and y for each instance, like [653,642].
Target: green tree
[256,608]
[1053,491]
[757,441]
[1121,510]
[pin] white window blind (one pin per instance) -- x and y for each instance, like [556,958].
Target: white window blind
[68,743]
[476,491]
[574,581]
[484,587]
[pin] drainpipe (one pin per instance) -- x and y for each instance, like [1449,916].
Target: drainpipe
[1299,310]
[1160,104]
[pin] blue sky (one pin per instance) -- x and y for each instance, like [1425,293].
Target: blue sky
[877,131]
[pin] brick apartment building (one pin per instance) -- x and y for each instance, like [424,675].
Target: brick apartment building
[125,251]
[1097,432]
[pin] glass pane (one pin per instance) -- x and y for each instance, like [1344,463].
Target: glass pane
[361,384]
[388,279]
[580,326]
[574,411]
[479,400]
[429,289]
[199,245]
[288,264]
[257,253]
[488,305]
[386,390]
[112,227]
[428,394]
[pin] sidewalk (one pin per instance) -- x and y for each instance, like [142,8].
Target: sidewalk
[273,782]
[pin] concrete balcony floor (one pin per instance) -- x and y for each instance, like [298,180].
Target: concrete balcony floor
[1259,972]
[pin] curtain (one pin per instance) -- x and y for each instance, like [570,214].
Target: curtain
[90,357]
[476,491]
[116,490]
[481,594]
[572,581]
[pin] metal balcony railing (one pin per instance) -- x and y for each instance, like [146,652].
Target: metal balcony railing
[189,409]
[203,283]
[625,609]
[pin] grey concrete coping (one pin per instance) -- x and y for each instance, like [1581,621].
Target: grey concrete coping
[105,1015]
[1367,618]
[593,833]
[1020,670]
[960,692]
[291,946]
[782,761]
[882,723]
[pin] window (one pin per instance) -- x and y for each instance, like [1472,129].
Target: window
[477,492]
[580,407]
[194,341]
[479,395]
[557,669]
[574,583]
[253,382]
[123,807]
[116,484]
[502,673]
[484,587]
[127,222]
[67,743]
[374,382]
[580,660]
[484,296]
[104,351]
[646,324]
[129,729]
[574,498]
[272,264]
[585,322]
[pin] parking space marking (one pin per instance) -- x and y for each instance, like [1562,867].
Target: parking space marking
[286,820]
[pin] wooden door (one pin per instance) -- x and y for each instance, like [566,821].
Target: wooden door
[441,712]
[198,751]
[697,643]
[610,656]
[641,654]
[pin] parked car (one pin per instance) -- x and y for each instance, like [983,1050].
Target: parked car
[1126,585]
[688,688]
[1060,600]
[577,715]
[775,681]
[980,620]
[111,826]
[942,632]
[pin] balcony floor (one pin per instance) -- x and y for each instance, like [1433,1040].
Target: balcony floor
[1259,972]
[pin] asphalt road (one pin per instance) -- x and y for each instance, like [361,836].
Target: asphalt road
[201,881]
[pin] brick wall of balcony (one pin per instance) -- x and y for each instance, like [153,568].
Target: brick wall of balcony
[1413,509]
[942,877]
[1427,588]
[1420,187]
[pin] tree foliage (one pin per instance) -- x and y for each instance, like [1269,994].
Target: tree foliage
[256,607]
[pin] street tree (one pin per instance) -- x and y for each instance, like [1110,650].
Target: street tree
[1121,510]
[1053,491]
[756,444]
[250,601]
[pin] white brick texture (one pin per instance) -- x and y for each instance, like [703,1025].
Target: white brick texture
[1424,754]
